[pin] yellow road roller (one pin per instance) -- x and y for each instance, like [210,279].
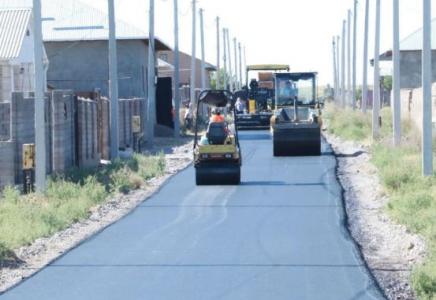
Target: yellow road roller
[297,120]
[217,154]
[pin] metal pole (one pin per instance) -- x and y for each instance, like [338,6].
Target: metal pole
[349,96]
[176,72]
[334,68]
[427,142]
[230,61]
[40,146]
[193,97]
[225,59]
[113,82]
[245,65]
[365,61]
[151,111]
[240,66]
[218,58]
[343,66]
[236,66]
[396,78]
[203,66]
[354,54]
[376,104]
[338,95]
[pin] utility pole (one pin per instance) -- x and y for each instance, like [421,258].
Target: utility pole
[349,96]
[240,67]
[338,96]
[354,54]
[203,67]
[376,104]
[225,59]
[230,61]
[343,66]
[427,142]
[245,67]
[151,111]
[396,78]
[193,97]
[236,66]
[218,58]
[40,147]
[334,68]
[176,72]
[113,82]
[365,61]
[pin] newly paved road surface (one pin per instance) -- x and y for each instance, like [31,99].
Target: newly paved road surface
[279,235]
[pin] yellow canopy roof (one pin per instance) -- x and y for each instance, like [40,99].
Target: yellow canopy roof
[268,68]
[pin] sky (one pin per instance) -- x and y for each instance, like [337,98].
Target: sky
[294,32]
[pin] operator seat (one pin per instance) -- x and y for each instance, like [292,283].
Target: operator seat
[216,133]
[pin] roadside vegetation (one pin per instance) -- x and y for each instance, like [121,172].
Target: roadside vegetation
[68,199]
[412,197]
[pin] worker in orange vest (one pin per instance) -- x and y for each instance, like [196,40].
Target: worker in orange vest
[217,117]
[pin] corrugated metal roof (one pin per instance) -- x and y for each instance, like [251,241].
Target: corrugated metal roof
[164,65]
[73,20]
[414,41]
[13,27]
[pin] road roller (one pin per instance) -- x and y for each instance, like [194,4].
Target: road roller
[217,154]
[297,120]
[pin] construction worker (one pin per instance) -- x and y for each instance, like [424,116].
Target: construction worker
[216,116]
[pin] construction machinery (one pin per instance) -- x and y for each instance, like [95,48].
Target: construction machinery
[259,96]
[217,154]
[297,120]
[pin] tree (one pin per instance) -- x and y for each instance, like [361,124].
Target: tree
[213,79]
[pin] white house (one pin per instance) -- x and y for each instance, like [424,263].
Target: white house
[16,52]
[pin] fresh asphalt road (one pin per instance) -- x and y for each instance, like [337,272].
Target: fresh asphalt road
[279,235]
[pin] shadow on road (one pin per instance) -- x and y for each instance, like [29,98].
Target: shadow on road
[280,183]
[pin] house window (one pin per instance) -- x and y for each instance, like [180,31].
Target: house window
[164,57]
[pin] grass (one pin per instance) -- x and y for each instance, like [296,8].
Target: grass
[413,197]
[67,200]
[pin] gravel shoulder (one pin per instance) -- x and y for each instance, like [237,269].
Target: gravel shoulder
[178,156]
[390,250]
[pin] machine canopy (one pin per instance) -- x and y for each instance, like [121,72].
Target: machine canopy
[216,98]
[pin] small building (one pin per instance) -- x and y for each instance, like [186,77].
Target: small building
[17,60]
[76,38]
[411,58]
[185,68]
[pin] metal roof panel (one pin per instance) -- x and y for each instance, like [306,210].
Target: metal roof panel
[13,27]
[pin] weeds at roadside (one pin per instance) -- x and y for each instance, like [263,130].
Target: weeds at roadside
[412,197]
[67,200]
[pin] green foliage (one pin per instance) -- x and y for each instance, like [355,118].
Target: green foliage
[68,199]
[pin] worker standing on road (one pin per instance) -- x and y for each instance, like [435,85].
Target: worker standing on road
[240,106]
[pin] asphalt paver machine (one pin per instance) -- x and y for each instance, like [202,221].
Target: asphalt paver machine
[217,154]
[297,120]
[259,95]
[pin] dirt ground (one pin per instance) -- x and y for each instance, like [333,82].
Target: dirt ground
[389,249]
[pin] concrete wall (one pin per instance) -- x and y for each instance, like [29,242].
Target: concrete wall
[89,152]
[63,131]
[7,172]
[411,105]
[411,69]
[84,67]
[5,121]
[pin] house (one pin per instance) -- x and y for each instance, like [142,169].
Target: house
[75,36]
[16,52]
[411,58]
[185,68]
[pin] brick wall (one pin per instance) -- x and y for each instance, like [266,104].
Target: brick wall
[411,105]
